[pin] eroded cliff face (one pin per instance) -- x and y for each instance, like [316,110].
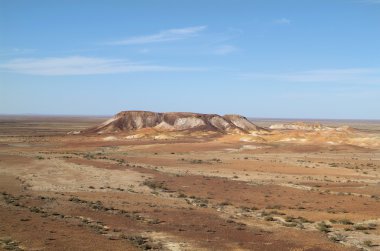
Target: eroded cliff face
[132,125]
[127,121]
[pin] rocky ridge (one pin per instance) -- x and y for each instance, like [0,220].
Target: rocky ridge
[128,121]
[302,126]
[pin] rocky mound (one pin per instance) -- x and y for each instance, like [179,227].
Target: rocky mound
[300,126]
[127,121]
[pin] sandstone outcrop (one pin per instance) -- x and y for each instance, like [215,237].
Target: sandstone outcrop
[127,121]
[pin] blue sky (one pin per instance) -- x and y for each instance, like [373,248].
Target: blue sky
[259,58]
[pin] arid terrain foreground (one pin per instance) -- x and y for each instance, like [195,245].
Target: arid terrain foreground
[185,181]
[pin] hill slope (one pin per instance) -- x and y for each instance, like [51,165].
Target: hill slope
[127,121]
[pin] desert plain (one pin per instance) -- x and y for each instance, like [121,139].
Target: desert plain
[279,189]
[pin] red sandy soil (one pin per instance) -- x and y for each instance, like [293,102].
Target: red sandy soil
[75,192]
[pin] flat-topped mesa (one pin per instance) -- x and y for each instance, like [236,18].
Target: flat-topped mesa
[174,121]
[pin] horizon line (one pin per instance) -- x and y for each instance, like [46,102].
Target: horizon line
[249,117]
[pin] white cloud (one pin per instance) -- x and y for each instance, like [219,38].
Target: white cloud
[15,51]
[144,51]
[162,36]
[282,21]
[77,65]
[225,49]
[348,75]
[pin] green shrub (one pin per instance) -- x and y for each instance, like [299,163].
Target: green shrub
[323,227]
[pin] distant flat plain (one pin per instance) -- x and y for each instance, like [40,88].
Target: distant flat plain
[100,192]
[59,124]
